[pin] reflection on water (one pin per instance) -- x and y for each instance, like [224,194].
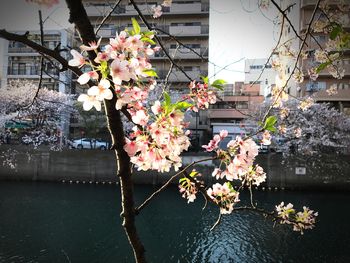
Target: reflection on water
[44,222]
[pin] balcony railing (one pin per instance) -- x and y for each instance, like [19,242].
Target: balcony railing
[309,63]
[21,50]
[313,2]
[188,30]
[30,71]
[108,32]
[178,76]
[227,114]
[183,53]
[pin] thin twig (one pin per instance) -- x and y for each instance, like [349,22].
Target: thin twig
[206,201]
[217,222]
[107,16]
[296,62]
[144,20]
[146,202]
[272,53]
[41,61]
[251,194]
[170,69]
[286,17]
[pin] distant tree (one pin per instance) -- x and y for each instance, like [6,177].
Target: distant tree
[309,128]
[40,112]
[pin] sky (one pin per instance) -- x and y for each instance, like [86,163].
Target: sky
[238,30]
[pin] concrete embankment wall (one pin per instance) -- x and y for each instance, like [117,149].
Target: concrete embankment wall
[100,166]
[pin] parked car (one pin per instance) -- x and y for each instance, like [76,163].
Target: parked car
[263,148]
[88,143]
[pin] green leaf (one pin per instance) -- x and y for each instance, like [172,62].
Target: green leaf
[136,26]
[335,31]
[182,179]
[148,40]
[167,99]
[322,66]
[205,79]
[271,129]
[151,73]
[219,84]
[104,69]
[193,173]
[148,33]
[183,105]
[270,124]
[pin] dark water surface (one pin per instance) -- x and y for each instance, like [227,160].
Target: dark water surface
[46,222]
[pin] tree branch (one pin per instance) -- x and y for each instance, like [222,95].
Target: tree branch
[107,16]
[283,12]
[154,194]
[296,62]
[273,51]
[40,49]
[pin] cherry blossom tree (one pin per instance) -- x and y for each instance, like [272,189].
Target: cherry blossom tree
[120,77]
[42,110]
[309,128]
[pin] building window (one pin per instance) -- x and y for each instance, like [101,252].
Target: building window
[256,66]
[22,69]
[186,24]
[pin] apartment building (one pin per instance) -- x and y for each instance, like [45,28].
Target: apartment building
[22,62]
[236,104]
[300,13]
[257,72]
[188,21]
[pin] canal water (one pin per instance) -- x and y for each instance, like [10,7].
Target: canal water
[47,222]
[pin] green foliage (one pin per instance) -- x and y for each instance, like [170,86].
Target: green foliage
[183,105]
[322,66]
[136,26]
[336,30]
[230,187]
[169,107]
[167,99]
[151,73]
[193,173]
[205,79]
[345,40]
[270,123]
[148,40]
[219,84]
[104,69]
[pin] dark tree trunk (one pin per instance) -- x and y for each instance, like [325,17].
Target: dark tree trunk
[79,17]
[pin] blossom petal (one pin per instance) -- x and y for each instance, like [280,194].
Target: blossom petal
[87,105]
[84,78]
[83,97]
[105,83]
[93,91]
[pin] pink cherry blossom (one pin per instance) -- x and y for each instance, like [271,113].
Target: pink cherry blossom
[266,140]
[120,71]
[157,11]
[89,102]
[92,46]
[101,91]
[77,61]
[102,56]
[84,78]
[140,118]
[130,147]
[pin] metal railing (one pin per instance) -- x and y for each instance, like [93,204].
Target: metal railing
[21,50]
[30,71]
